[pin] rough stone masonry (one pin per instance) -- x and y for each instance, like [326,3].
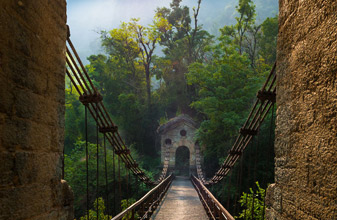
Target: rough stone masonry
[306,129]
[32,68]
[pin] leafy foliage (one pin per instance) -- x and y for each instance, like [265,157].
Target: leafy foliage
[213,80]
[75,174]
[125,203]
[93,212]
[225,86]
[253,204]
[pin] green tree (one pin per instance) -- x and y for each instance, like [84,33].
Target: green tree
[136,43]
[268,39]
[215,81]
[125,77]
[253,204]
[226,88]
[75,174]
[184,43]
[246,19]
[93,212]
[244,32]
[125,204]
[257,40]
[74,118]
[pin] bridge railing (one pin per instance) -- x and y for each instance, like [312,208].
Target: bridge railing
[144,208]
[213,207]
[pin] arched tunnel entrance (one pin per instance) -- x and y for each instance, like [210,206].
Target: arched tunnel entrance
[182,166]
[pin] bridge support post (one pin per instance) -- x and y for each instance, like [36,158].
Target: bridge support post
[32,68]
[306,124]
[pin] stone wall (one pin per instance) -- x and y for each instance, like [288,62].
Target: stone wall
[32,67]
[306,130]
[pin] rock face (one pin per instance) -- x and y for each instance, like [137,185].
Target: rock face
[178,132]
[32,68]
[306,141]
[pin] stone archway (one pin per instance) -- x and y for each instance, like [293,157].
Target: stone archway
[182,161]
[176,133]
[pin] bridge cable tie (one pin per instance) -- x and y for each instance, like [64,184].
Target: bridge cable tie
[264,95]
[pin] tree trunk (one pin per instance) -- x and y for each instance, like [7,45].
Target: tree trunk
[148,86]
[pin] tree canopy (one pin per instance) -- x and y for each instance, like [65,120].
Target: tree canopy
[214,80]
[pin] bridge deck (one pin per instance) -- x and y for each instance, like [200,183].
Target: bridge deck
[180,203]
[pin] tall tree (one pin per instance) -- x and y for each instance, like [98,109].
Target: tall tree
[246,19]
[252,44]
[184,44]
[225,86]
[136,43]
[268,39]
[147,38]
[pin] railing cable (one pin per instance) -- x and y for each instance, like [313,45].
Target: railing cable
[114,180]
[229,188]
[119,183]
[87,158]
[97,168]
[106,177]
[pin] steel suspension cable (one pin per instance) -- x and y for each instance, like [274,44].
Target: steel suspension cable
[106,176]
[255,168]
[119,183]
[63,163]
[248,177]
[87,158]
[255,159]
[265,99]
[238,185]
[127,186]
[254,175]
[97,169]
[229,188]
[114,180]
[90,97]
[271,146]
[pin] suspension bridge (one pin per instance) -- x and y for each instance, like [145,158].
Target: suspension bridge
[32,106]
[170,197]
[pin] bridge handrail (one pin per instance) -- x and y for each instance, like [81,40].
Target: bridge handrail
[155,194]
[214,208]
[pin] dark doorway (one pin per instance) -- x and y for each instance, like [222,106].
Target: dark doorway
[182,166]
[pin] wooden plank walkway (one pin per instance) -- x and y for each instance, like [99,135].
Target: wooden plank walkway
[180,203]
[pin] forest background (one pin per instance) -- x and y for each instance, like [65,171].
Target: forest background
[212,79]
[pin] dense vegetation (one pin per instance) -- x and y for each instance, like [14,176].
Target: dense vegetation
[212,79]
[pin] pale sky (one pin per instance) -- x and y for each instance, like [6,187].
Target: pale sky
[87,17]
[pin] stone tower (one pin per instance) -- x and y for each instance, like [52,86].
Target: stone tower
[32,70]
[306,125]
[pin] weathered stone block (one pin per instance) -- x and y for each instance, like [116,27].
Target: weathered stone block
[32,70]
[306,141]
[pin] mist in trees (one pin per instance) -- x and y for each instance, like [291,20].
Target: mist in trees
[213,79]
